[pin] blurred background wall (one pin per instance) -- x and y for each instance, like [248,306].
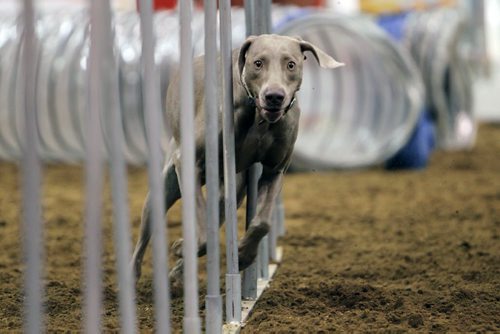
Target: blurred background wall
[359,121]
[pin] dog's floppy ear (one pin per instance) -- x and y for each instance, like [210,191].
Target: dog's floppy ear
[323,59]
[243,52]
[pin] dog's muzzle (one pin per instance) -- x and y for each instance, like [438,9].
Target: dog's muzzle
[273,110]
[274,100]
[270,114]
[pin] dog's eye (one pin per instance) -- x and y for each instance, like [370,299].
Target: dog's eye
[258,64]
[291,65]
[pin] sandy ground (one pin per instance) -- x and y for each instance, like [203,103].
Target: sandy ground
[365,250]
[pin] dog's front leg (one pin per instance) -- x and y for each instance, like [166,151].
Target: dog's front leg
[269,188]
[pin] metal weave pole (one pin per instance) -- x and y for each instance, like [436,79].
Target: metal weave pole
[94,171]
[152,113]
[249,17]
[263,259]
[250,274]
[192,323]
[277,229]
[31,179]
[258,21]
[249,284]
[273,235]
[281,216]
[213,299]
[121,227]
[233,277]
[262,17]
[262,25]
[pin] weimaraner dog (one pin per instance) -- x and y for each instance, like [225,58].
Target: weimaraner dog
[267,73]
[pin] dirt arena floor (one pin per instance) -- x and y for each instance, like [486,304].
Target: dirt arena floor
[365,250]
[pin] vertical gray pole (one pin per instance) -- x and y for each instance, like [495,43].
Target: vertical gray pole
[213,299]
[31,178]
[121,233]
[263,258]
[233,278]
[250,17]
[273,235]
[192,322]
[281,215]
[94,175]
[262,18]
[152,113]
[262,25]
[249,284]
[258,21]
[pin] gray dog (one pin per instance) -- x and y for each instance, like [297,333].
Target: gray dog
[267,73]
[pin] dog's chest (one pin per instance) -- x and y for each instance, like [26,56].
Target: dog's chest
[256,145]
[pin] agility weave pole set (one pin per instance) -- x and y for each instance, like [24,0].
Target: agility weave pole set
[103,96]
[357,101]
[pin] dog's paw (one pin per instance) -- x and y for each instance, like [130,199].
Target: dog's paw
[176,279]
[135,271]
[177,247]
[245,258]
[176,288]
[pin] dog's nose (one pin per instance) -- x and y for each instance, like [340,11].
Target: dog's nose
[274,99]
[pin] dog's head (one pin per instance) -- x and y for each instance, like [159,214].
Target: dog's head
[271,71]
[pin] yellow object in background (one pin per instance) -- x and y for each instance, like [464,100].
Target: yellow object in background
[396,6]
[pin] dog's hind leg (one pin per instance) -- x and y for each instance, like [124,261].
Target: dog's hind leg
[172,194]
[201,214]
[177,271]
[201,231]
